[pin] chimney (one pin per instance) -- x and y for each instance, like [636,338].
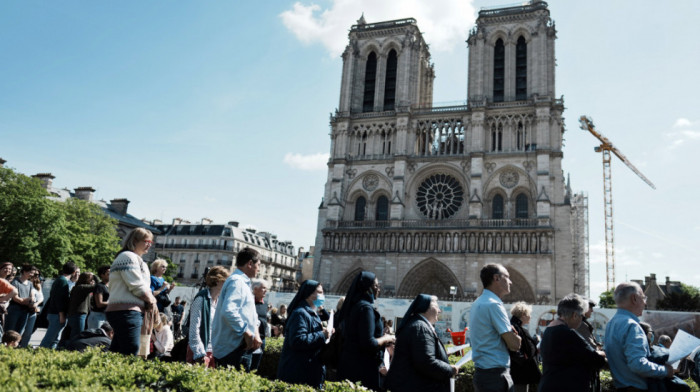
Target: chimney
[157,222]
[207,221]
[46,180]
[84,193]
[119,205]
[2,162]
[177,221]
[233,223]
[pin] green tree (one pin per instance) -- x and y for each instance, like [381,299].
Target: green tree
[32,227]
[688,299]
[37,230]
[92,234]
[607,300]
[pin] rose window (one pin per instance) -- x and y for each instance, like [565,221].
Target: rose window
[439,196]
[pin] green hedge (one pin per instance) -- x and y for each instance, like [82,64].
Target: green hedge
[95,371]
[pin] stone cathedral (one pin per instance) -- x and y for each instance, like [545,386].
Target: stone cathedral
[425,196]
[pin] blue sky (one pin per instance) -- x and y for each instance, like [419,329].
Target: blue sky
[220,109]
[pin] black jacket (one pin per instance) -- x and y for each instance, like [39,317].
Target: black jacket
[361,355]
[420,360]
[524,368]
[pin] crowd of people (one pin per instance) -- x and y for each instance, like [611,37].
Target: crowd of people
[125,308]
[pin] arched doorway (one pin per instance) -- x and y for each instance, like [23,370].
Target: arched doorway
[429,277]
[341,288]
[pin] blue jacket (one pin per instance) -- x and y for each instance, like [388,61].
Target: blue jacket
[300,362]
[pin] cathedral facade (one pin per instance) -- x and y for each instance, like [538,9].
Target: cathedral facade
[425,196]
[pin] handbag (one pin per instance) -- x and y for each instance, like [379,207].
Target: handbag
[163,298]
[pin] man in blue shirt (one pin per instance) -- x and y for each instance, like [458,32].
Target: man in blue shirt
[491,333]
[626,344]
[234,332]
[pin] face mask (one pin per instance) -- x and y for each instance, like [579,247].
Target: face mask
[319,301]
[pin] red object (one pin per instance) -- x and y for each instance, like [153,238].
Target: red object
[458,338]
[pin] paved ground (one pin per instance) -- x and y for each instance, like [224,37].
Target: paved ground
[36,338]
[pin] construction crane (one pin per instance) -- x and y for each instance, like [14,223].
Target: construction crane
[606,147]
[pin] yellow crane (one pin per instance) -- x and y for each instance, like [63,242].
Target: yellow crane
[606,147]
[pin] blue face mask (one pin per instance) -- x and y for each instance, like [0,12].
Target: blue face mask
[319,301]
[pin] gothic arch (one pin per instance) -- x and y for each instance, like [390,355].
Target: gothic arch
[344,284]
[356,185]
[520,290]
[369,47]
[388,45]
[430,276]
[521,31]
[524,181]
[495,35]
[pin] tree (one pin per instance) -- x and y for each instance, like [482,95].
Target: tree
[607,300]
[688,299]
[92,234]
[47,233]
[32,227]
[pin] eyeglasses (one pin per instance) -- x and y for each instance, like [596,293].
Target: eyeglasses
[148,242]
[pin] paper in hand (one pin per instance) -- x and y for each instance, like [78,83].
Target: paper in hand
[466,358]
[682,345]
[454,349]
[330,326]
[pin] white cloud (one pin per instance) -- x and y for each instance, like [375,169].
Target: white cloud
[443,30]
[310,162]
[684,131]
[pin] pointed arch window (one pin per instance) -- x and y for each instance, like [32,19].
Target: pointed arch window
[521,69]
[521,207]
[386,143]
[520,137]
[390,83]
[382,208]
[499,68]
[370,82]
[360,205]
[497,207]
[497,137]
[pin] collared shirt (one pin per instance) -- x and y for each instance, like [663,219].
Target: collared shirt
[627,351]
[235,313]
[488,320]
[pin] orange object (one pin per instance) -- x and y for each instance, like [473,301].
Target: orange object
[459,338]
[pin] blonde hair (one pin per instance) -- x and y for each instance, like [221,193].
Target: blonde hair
[157,264]
[135,236]
[216,275]
[521,309]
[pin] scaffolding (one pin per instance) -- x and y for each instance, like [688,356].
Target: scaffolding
[580,251]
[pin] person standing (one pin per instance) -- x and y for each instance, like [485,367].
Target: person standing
[201,316]
[568,361]
[100,299]
[79,303]
[524,367]
[420,361]
[259,291]
[131,304]
[491,333]
[7,291]
[300,362]
[21,306]
[235,326]
[586,331]
[362,330]
[159,285]
[177,309]
[57,306]
[626,344]
[38,297]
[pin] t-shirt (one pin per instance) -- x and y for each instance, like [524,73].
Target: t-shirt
[101,288]
[23,291]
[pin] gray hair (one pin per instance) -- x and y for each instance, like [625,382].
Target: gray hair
[257,282]
[665,339]
[521,309]
[624,291]
[572,304]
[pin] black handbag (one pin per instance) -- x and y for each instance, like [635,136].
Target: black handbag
[163,298]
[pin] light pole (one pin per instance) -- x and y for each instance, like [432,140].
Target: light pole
[453,291]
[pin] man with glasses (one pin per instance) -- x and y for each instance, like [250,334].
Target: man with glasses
[491,332]
[234,329]
[626,344]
